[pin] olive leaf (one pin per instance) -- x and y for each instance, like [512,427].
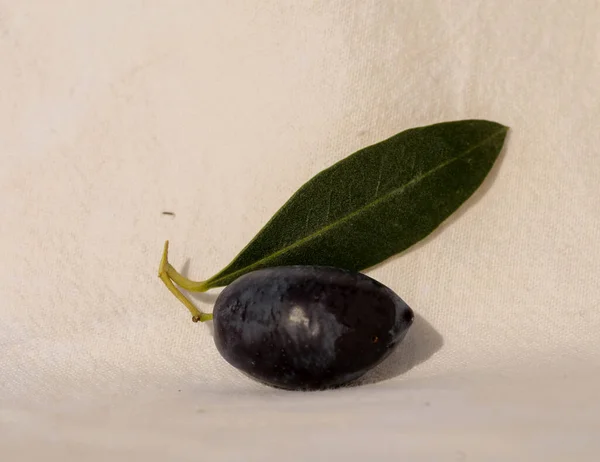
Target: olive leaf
[374,203]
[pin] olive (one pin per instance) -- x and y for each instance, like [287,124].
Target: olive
[307,327]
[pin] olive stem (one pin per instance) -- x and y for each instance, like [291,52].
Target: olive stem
[164,275]
[185,283]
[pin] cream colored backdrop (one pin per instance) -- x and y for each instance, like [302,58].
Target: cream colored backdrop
[112,112]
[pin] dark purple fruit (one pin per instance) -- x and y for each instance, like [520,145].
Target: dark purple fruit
[307,327]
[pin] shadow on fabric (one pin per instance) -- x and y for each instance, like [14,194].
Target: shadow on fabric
[422,341]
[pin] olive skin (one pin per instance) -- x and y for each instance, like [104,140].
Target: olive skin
[307,327]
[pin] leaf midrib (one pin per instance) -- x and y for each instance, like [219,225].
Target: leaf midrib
[345,218]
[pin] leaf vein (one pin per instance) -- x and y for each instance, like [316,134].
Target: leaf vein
[379,177]
[307,219]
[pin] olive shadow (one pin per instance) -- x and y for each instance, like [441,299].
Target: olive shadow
[422,341]
[471,202]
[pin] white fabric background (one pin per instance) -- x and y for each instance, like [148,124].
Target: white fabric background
[112,112]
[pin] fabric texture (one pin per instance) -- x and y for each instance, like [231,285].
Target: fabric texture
[114,112]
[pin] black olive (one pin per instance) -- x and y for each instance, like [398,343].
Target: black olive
[308,327]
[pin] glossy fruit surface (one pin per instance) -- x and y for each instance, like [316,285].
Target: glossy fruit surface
[307,327]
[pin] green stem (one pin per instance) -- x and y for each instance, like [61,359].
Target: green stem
[164,274]
[185,283]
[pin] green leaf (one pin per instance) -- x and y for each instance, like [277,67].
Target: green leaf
[376,202]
